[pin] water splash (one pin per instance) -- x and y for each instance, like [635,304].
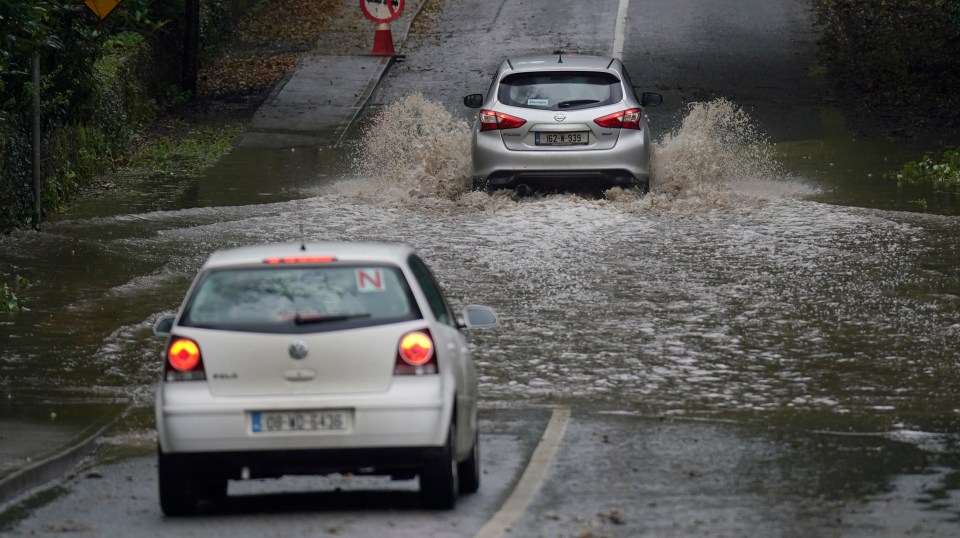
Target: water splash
[417,152]
[717,158]
[414,149]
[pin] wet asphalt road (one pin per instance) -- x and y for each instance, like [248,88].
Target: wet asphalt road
[615,473]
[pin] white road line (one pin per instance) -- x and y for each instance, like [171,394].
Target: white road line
[532,478]
[620,30]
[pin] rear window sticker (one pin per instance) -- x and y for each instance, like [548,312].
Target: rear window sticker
[370,280]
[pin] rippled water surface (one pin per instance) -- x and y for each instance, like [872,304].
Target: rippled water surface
[726,291]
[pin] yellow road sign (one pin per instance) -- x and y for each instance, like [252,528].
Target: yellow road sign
[102,8]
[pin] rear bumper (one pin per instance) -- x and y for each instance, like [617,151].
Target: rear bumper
[562,179]
[414,412]
[624,165]
[276,463]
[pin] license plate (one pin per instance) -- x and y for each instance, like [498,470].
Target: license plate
[299,421]
[578,138]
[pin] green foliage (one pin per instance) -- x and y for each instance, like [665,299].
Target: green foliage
[100,81]
[185,157]
[942,171]
[176,95]
[91,93]
[9,300]
[123,99]
[58,34]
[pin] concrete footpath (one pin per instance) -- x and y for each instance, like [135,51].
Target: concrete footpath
[314,105]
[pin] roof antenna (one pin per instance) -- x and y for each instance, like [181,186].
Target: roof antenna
[559,53]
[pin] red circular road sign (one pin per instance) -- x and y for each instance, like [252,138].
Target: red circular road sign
[381,10]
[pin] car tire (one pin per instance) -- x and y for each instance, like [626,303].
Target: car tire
[438,478]
[212,488]
[468,470]
[179,494]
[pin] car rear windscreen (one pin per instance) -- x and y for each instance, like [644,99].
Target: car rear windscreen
[299,299]
[560,90]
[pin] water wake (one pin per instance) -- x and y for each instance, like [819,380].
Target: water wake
[417,152]
[414,149]
[717,157]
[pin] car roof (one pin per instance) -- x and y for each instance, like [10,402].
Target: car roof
[392,253]
[553,62]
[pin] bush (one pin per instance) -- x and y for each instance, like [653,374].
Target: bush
[9,300]
[942,171]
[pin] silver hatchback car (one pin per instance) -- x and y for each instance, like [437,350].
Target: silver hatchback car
[315,359]
[561,122]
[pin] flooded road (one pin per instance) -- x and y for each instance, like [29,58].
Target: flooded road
[710,296]
[725,297]
[786,288]
[721,292]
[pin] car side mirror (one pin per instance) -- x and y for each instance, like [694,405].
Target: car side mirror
[479,317]
[474,100]
[164,325]
[651,99]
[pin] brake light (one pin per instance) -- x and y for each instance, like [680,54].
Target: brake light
[300,259]
[491,121]
[415,354]
[625,119]
[184,362]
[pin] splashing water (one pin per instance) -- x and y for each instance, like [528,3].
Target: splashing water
[416,148]
[717,158]
[415,151]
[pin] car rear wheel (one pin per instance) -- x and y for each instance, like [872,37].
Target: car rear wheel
[468,470]
[179,494]
[438,478]
[181,489]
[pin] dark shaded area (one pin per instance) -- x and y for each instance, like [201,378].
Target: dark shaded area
[897,62]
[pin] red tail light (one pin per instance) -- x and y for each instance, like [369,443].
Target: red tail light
[491,121]
[300,259]
[184,362]
[625,119]
[415,354]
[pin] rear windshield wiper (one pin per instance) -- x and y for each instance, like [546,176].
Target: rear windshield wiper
[576,102]
[305,319]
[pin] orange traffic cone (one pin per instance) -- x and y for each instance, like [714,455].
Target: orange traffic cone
[383,41]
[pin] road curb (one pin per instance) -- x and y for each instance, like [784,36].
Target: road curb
[41,474]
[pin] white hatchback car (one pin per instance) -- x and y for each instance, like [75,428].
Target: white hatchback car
[315,359]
